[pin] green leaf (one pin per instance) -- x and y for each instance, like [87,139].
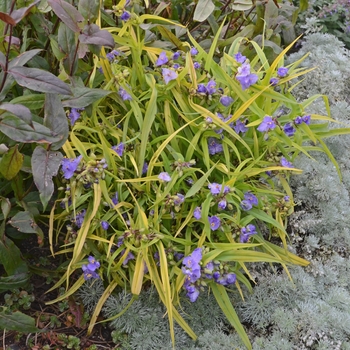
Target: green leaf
[39,80]
[226,306]
[11,163]
[242,5]
[67,43]
[23,58]
[92,34]
[17,130]
[55,119]
[10,257]
[17,321]
[24,222]
[14,281]
[45,165]
[82,97]
[31,101]
[89,9]
[5,206]
[200,183]
[67,13]
[19,110]
[203,10]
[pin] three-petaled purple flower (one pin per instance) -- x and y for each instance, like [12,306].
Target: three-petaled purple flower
[267,124]
[179,199]
[240,127]
[274,81]
[211,87]
[216,188]
[201,89]
[282,72]
[240,58]
[226,100]
[79,218]
[214,146]
[168,75]
[164,176]
[246,232]
[74,115]
[249,201]
[90,269]
[214,222]
[176,55]
[222,204]
[162,59]
[124,95]
[119,149]
[69,166]
[244,76]
[289,129]
[285,163]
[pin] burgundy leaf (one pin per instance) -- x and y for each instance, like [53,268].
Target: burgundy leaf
[92,34]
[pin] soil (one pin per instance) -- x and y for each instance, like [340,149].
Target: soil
[68,315]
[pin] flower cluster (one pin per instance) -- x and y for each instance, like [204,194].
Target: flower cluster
[192,270]
[244,76]
[195,273]
[90,269]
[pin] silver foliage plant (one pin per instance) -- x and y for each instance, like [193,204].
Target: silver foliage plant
[313,311]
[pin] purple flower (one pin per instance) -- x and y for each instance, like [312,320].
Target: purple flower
[176,55]
[289,129]
[196,65]
[69,166]
[214,146]
[286,198]
[215,188]
[267,124]
[222,204]
[162,59]
[201,89]
[164,176]
[193,51]
[285,163]
[119,149]
[125,16]
[124,95]
[240,58]
[144,168]
[274,81]
[282,72]
[247,80]
[130,256]
[211,87]
[105,225]
[115,200]
[79,219]
[197,213]
[179,199]
[246,232]
[226,100]
[298,120]
[306,119]
[88,274]
[168,75]
[74,115]
[246,205]
[176,66]
[110,56]
[93,263]
[231,278]
[240,127]
[251,198]
[193,294]
[214,222]
[243,70]
[192,261]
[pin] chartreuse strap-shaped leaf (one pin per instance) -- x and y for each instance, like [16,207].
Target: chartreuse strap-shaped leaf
[227,308]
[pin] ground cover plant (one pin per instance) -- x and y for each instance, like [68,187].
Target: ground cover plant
[176,171]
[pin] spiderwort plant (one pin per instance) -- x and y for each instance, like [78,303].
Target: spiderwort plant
[192,183]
